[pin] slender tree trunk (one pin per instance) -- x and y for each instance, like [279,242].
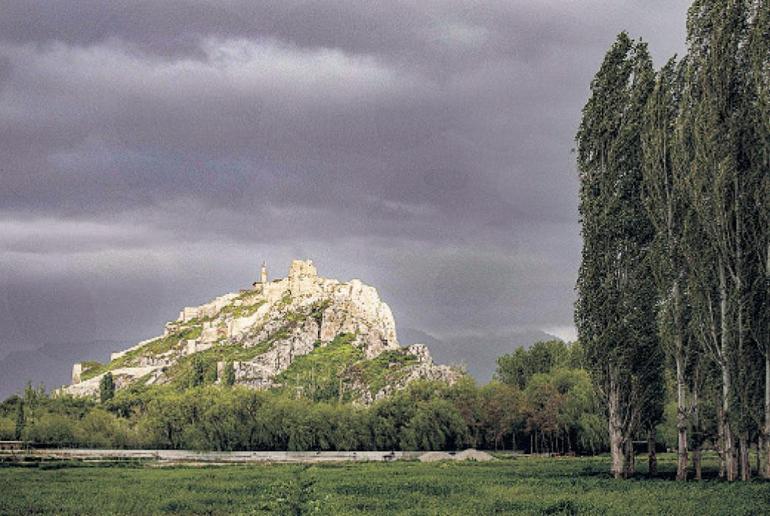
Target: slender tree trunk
[721,442]
[759,458]
[745,461]
[617,452]
[728,439]
[764,472]
[696,453]
[681,416]
[696,463]
[630,459]
[728,443]
[652,454]
[765,434]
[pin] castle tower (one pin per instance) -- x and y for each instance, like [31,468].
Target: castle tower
[263,273]
[77,370]
[303,277]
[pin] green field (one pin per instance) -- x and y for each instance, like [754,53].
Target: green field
[522,485]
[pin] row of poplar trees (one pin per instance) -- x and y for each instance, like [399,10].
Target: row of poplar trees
[674,283]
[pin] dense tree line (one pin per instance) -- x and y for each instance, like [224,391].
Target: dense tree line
[541,401]
[675,277]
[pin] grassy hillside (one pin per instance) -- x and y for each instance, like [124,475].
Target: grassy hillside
[337,371]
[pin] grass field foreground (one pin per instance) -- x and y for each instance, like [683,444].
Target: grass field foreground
[525,485]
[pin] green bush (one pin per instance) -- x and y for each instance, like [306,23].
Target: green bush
[101,429]
[51,429]
[7,429]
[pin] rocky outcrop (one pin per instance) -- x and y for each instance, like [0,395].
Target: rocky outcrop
[263,330]
[422,369]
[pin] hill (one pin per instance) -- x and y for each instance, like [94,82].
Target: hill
[321,337]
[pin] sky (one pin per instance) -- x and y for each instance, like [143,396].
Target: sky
[153,154]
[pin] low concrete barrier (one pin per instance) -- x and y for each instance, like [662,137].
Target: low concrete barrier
[212,457]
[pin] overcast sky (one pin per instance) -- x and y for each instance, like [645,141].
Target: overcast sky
[152,154]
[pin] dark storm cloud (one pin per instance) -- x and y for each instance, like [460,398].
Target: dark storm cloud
[153,152]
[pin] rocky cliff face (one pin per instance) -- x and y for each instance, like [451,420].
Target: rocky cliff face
[320,336]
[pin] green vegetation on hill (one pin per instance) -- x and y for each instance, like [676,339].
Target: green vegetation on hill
[246,304]
[91,368]
[334,371]
[337,371]
[201,367]
[385,369]
[243,310]
[154,348]
[320,374]
[182,373]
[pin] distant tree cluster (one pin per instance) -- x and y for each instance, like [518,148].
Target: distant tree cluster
[675,210]
[541,402]
[556,403]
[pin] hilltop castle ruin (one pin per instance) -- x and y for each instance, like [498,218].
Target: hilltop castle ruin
[272,324]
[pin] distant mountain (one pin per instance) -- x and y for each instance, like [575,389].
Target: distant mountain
[50,364]
[478,354]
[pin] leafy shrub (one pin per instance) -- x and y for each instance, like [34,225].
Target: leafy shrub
[7,429]
[51,429]
[100,429]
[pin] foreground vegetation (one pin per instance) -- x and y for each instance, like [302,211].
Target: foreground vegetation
[542,401]
[520,485]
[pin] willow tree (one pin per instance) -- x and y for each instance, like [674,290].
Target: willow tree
[615,313]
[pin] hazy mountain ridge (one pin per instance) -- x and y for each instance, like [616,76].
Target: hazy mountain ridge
[477,354]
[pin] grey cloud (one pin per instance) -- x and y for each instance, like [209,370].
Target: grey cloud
[153,152]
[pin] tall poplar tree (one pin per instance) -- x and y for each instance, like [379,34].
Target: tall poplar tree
[720,185]
[665,199]
[759,150]
[675,186]
[106,387]
[21,420]
[615,308]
